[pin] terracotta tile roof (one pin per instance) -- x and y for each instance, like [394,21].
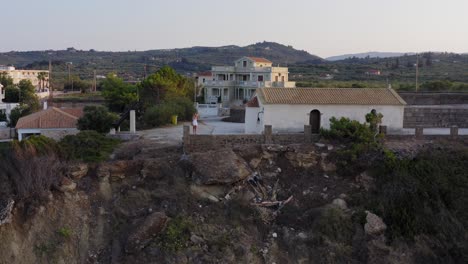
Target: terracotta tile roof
[78,112]
[257,59]
[346,96]
[253,102]
[51,118]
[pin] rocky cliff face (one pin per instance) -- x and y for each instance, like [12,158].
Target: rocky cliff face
[255,204]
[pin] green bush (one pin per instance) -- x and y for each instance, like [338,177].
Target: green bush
[161,114]
[97,118]
[176,235]
[88,146]
[348,131]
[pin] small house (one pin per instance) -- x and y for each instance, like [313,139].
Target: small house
[289,110]
[54,123]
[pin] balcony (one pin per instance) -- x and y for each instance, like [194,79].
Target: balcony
[250,84]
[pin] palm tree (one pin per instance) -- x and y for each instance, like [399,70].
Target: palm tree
[41,76]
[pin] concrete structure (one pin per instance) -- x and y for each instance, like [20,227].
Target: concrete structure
[53,122]
[232,85]
[290,109]
[32,75]
[132,122]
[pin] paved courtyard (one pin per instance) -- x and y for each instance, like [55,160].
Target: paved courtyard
[207,126]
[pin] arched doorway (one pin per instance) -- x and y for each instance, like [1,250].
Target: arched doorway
[314,121]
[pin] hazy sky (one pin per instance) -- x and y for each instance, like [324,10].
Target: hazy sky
[322,27]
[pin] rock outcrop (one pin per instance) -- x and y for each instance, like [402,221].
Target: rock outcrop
[151,227]
[374,224]
[219,167]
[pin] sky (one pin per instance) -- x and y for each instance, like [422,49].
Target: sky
[321,27]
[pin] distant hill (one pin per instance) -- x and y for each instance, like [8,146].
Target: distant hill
[372,54]
[131,64]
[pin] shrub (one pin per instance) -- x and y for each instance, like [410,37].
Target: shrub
[161,114]
[97,118]
[348,131]
[65,232]
[176,235]
[33,166]
[335,225]
[88,146]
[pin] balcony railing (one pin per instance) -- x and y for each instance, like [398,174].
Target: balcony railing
[251,84]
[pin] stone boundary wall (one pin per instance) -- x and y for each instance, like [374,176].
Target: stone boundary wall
[435,117]
[426,98]
[197,143]
[7,133]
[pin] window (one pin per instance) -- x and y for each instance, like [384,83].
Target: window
[203,80]
[244,77]
[244,64]
[260,78]
[215,92]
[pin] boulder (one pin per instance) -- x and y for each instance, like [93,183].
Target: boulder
[219,167]
[374,224]
[340,203]
[153,225]
[66,185]
[77,171]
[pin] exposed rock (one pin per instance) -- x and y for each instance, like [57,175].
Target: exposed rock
[219,167]
[301,159]
[325,165]
[320,145]
[196,239]
[5,211]
[374,224]
[210,192]
[103,170]
[77,171]
[340,203]
[274,148]
[254,163]
[66,185]
[302,236]
[141,236]
[365,181]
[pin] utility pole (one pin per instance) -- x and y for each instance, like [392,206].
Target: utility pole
[417,71]
[94,82]
[51,92]
[69,76]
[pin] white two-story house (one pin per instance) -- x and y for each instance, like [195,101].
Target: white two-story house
[234,85]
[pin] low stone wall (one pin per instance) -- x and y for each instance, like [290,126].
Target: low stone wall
[439,116]
[7,133]
[423,98]
[197,143]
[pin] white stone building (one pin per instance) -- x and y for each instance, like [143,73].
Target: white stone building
[232,85]
[32,75]
[288,110]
